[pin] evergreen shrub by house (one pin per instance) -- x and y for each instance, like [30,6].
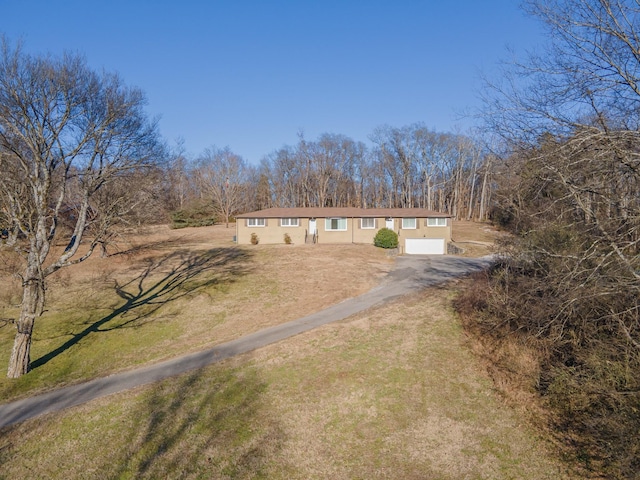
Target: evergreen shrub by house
[386,238]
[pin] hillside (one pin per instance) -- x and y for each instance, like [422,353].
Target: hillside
[391,392]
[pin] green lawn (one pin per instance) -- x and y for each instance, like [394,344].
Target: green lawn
[389,393]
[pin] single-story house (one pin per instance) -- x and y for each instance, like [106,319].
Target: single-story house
[420,231]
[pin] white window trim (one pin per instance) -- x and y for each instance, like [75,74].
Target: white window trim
[290,224]
[327,221]
[436,222]
[367,228]
[257,222]
[415,223]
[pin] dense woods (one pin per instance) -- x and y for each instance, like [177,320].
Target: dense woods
[409,166]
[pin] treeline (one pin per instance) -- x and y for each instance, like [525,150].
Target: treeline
[410,166]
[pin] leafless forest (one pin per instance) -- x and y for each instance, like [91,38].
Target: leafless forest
[410,166]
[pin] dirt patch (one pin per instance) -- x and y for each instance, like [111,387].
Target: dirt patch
[474,239]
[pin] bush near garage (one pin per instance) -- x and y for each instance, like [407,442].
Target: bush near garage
[386,238]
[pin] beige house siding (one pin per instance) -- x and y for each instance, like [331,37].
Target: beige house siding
[274,233]
[366,235]
[422,230]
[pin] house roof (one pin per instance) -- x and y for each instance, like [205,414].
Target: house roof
[351,212]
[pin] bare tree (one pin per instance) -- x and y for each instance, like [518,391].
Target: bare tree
[65,133]
[223,177]
[329,166]
[424,168]
[575,112]
[409,167]
[397,154]
[178,182]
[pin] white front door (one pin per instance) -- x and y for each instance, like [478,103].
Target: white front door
[389,223]
[312,226]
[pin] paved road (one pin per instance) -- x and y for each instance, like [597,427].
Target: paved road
[410,274]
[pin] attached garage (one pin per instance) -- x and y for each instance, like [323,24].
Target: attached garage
[425,246]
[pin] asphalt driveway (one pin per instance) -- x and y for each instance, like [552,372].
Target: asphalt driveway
[411,273]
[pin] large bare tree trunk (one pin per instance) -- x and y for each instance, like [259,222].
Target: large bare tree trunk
[32,306]
[65,133]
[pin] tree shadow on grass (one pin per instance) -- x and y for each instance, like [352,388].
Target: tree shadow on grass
[136,249]
[174,276]
[211,423]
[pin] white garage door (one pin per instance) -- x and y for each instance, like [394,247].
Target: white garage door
[425,246]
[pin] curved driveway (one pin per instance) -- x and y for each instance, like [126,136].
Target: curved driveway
[411,273]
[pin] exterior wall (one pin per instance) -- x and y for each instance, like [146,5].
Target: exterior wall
[273,232]
[333,236]
[366,235]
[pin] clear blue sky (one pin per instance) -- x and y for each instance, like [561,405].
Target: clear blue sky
[251,74]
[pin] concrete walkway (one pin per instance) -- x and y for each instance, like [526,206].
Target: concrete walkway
[411,273]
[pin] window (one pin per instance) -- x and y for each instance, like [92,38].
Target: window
[367,223]
[335,224]
[409,223]
[437,222]
[256,222]
[289,222]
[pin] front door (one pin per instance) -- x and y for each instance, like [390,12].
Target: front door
[389,223]
[312,226]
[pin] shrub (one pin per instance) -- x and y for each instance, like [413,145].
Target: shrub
[254,239]
[195,216]
[287,239]
[386,238]
[585,369]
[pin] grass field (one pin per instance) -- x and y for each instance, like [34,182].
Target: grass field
[169,292]
[393,392]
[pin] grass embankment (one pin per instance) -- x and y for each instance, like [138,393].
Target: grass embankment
[393,392]
[390,393]
[173,292]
